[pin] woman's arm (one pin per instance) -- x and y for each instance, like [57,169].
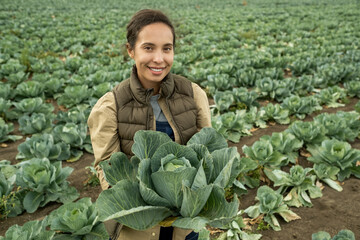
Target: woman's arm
[202,104]
[102,124]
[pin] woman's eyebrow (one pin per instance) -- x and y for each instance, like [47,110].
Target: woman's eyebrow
[152,44]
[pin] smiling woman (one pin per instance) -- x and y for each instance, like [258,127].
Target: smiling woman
[151,99]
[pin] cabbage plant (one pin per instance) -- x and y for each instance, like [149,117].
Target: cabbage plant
[165,179]
[338,126]
[311,133]
[28,106]
[285,143]
[5,130]
[32,230]
[232,125]
[45,182]
[332,96]
[301,106]
[296,185]
[36,123]
[274,112]
[342,235]
[353,88]
[271,203]
[327,174]
[76,136]
[29,89]
[74,95]
[263,152]
[338,154]
[234,231]
[78,220]
[43,146]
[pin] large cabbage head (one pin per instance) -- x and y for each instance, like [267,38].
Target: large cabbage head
[166,179]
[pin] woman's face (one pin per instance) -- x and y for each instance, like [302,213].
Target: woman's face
[153,54]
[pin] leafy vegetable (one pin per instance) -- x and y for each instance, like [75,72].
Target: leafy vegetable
[332,96]
[36,123]
[274,112]
[76,136]
[337,127]
[353,88]
[232,125]
[74,95]
[234,231]
[29,89]
[271,202]
[43,146]
[328,174]
[285,143]
[338,154]
[46,182]
[263,152]
[186,182]
[77,219]
[29,231]
[311,133]
[300,181]
[5,129]
[301,106]
[342,235]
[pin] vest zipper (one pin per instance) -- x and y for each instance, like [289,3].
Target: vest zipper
[175,124]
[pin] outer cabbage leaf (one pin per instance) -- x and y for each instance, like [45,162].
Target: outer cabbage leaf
[129,209]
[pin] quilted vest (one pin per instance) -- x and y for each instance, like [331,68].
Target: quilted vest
[134,111]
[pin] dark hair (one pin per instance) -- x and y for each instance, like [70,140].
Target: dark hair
[143,18]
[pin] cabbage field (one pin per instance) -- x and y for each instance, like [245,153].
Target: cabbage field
[281,161]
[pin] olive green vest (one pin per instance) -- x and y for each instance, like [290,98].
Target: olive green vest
[134,111]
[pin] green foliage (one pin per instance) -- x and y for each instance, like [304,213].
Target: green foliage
[285,143]
[5,129]
[342,126]
[342,235]
[77,219]
[310,133]
[29,106]
[270,202]
[232,125]
[301,106]
[74,95]
[45,182]
[263,152]
[43,146]
[338,154]
[29,231]
[36,123]
[167,179]
[29,89]
[234,231]
[332,97]
[274,112]
[296,184]
[74,135]
[353,88]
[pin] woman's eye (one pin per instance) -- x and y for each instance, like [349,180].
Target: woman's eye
[168,49]
[148,48]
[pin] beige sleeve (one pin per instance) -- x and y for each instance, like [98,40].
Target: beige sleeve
[102,124]
[202,103]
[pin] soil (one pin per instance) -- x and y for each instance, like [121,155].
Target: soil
[331,213]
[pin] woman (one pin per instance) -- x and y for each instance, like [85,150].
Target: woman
[151,99]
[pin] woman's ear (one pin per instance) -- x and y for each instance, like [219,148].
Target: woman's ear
[130,50]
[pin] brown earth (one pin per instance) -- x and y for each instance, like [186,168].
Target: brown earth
[332,212]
